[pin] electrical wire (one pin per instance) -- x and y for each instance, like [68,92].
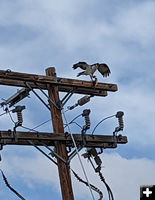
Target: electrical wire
[69,131]
[3,114]
[101,122]
[42,124]
[67,124]
[75,174]
[75,118]
[72,121]
[92,186]
[11,118]
[6,112]
[110,194]
[30,129]
[77,124]
[33,129]
[11,188]
[111,197]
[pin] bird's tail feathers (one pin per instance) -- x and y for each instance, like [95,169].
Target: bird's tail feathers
[106,74]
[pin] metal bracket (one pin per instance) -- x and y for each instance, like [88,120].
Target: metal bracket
[74,153]
[54,154]
[18,96]
[65,99]
[92,152]
[115,139]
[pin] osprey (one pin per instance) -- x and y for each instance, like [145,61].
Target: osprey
[90,69]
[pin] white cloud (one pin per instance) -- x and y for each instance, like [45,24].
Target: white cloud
[67,26]
[35,169]
[127,175]
[136,23]
[137,103]
[65,32]
[123,175]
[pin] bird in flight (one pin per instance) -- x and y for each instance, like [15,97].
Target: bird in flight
[90,69]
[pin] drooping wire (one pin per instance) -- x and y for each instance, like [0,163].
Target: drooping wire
[75,118]
[72,121]
[111,197]
[11,118]
[92,186]
[93,153]
[101,122]
[11,188]
[72,139]
[30,129]
[67,124]
[39,125]
[75,174]
[69,131]
[42,124]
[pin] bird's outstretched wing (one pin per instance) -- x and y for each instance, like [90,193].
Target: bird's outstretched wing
[82,65]
[104,69]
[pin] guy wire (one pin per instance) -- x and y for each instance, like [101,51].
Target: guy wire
[78,154]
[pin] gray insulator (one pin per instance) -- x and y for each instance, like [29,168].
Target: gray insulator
[83,100]
[85,114]
[119,115]
[18,110]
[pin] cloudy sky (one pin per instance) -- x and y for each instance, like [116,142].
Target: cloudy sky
[38,34]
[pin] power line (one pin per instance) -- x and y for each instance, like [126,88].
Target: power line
[39,125]
[74,123]
[78,154]
[101,122]
[75,174]
[11,188]
[54,85]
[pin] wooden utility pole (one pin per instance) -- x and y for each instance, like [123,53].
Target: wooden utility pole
[58,138]
[64,171]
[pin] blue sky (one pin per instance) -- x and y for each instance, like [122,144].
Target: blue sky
[38,34]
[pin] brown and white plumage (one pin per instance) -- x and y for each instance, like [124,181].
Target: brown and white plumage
[90,69]
[104,69]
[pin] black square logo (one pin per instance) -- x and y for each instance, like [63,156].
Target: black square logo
[147,192]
